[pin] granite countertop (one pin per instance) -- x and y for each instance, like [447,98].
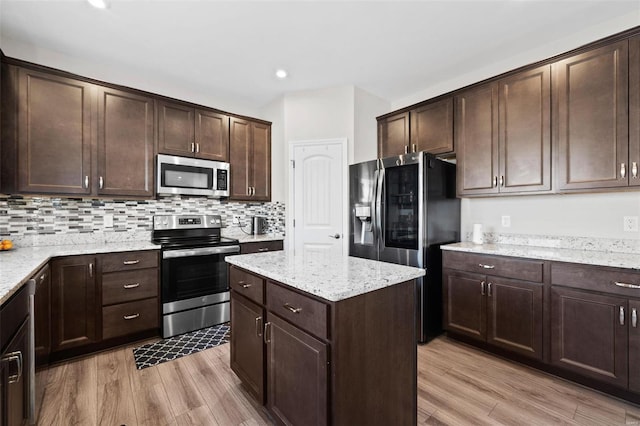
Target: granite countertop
[326,275]
[588,257]
[258,238]
[19,264]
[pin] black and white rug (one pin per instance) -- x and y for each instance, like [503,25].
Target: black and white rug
[175,347]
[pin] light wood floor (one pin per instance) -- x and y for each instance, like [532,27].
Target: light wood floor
[457,385]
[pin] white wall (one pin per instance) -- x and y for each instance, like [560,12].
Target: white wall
[274,112]
[134,78]
[367,108]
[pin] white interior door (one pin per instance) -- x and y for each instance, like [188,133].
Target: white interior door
[319,193]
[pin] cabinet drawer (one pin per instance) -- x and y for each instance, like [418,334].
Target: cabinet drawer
[262,246]
[131,317]
[118,287]
[249,285]
[302,311]
[114,262]
[596,278]
[508,267]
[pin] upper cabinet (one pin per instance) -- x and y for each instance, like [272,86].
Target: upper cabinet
[393,135]
[53,133]
[191,132]
[634,110]
[591,119]
[125,143]
[428,127]
[503,135]
[250,158]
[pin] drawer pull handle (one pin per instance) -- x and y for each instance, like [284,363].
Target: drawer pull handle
[263,249]
[130,317]
[292,309]
[482,292]
[131,262]
[134,285]
[621,315]
[17,357]
[246,285]
[634,318]
[259,326]
[267,333]
[482,265]
[625,285]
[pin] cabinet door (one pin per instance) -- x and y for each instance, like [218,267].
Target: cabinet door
[476,140]
[74,309]
[464,304]
[239,157]
[212,135]
[634,345]
[125,143]
[54,133]
[525,131]
[15,370]
[393,135]
[589,334]
[432,127]
[175,129]
[591,117]
[261,162]
[297,375]
[634,110]
[247,348]
[514,315]
[42,316]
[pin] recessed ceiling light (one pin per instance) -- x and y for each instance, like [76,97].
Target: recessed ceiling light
[98,4]
[281,74]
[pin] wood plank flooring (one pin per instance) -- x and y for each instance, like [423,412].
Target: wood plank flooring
[457,385]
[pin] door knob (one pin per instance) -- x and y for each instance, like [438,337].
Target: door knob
[336,236]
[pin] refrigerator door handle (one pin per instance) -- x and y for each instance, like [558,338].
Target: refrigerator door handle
[374,205]
[379,205]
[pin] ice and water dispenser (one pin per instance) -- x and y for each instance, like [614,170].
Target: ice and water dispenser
[363,225]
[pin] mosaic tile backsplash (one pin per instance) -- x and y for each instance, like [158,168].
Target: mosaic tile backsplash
[33,221]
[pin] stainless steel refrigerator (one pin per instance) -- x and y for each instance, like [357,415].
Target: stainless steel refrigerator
[402,209]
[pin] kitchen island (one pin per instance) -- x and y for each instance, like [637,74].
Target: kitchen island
[325,339]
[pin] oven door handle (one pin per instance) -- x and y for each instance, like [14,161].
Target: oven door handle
[201,251]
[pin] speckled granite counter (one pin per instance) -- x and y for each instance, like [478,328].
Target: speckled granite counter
[589,257]
[326,275]
[256,238]
[18,265]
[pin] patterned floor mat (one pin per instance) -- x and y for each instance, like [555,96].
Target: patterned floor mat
[175,347]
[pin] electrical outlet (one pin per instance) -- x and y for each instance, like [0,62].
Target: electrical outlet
[506,221]
[108,221]
[630,223]
[236,218]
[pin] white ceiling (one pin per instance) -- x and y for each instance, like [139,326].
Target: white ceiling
[232,48]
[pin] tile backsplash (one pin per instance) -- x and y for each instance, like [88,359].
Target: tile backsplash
[31,221]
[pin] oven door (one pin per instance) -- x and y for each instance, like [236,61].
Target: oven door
[194,277]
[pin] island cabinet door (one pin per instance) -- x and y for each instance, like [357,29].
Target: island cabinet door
[297,375]
[247,349]
[634,345]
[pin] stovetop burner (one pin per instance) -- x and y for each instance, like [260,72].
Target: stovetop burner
[178,231]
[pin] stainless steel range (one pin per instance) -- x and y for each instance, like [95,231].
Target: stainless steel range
[195,282]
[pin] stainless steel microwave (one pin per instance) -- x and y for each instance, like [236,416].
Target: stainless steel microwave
[191,176]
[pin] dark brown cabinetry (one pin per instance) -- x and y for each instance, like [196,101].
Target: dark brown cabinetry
[432,127]
[15,359]
[393,135]
[305,358]
[261,246]
[591,119]
[192,132]
[503,135]
[126,138]
[492,306]
[250,158]
[74,302]
[42,316]
[634,110]
[53,133]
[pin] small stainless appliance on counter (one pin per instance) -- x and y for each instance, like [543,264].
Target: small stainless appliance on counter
[195,282]
[402,209]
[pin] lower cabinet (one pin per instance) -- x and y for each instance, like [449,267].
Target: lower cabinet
[296,373]
[315,362]
[261,246]
[503,312]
